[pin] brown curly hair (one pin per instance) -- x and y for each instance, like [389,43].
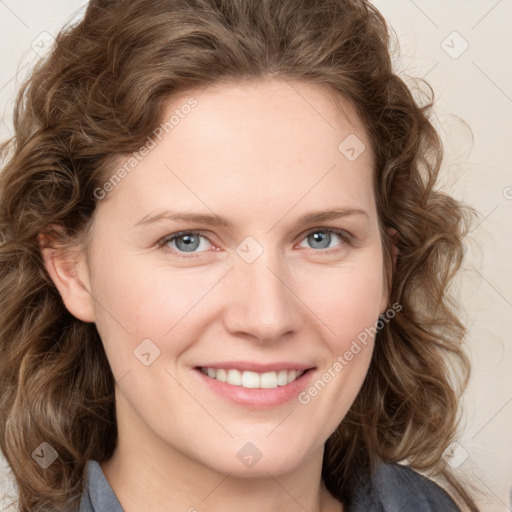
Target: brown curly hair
[100,94]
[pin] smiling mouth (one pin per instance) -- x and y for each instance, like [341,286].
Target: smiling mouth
[253,380]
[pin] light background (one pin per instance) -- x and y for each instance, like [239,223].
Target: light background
[472,85]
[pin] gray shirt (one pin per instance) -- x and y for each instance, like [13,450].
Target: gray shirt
[394,488]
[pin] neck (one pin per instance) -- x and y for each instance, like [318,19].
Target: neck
[142,487]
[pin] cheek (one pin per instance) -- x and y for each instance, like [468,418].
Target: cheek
[134,303]
[347,300]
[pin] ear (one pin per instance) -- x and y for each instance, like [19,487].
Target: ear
[69,272]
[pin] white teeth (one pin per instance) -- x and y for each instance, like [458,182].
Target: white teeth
[250,380]
[234,378]
[218,374]
[268,380]
[282,378]
[253,380]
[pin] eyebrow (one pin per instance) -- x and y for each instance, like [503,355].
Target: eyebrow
[215,220]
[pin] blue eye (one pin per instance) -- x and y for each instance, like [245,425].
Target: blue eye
[191,241]
[321,238]
[186,241]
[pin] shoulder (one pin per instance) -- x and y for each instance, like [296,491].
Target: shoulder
[396,487]
[98,496]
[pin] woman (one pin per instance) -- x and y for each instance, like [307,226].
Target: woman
[173,336]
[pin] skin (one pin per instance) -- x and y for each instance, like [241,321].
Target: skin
[260,155]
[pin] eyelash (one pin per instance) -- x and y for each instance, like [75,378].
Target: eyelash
[344,236]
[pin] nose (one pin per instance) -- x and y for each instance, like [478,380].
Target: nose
[261,303]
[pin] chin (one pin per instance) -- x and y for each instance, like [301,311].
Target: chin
[249,460]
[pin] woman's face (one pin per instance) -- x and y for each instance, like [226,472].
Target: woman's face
[248,284]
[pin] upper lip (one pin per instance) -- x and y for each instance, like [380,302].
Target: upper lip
[248,366]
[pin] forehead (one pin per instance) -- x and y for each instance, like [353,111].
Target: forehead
[253,144]
[254,113]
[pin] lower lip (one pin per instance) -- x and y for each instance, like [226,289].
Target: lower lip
[258,398]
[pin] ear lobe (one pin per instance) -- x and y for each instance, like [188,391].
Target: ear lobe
[68,270]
